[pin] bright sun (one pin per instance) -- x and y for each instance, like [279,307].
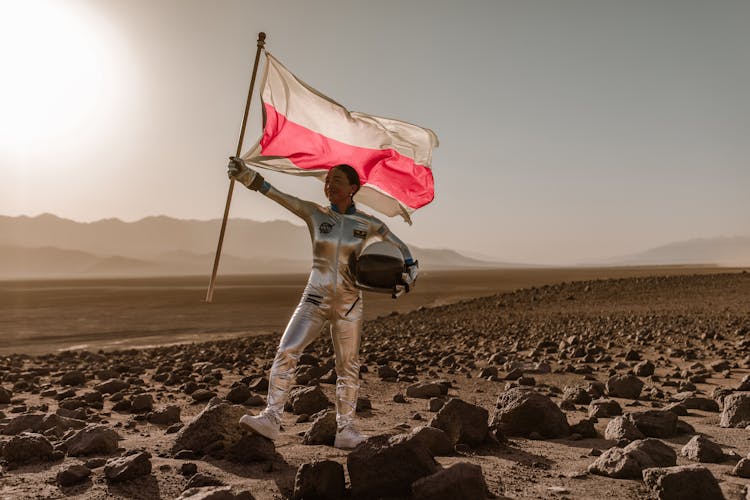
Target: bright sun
[58,72]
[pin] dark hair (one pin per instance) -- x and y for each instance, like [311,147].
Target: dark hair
[350,173]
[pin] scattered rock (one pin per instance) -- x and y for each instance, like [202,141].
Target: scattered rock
[521,412]
[644,369]
[92,439]
[380,468]
[214,493]
[742,469]
[624,386]
[112,386]
[460,480]
[239,394]
[736,410]
[308,400]
[200,480]
[629,462]
[27,447]
[30,422]
[5,395]
[603,408]
[434,439]
[128,467]
[321,480]
[463,422]
[425,390]
[72,475]
[576,395]
[74,377]
[678,483]
[585,428]
[142,403]
[655,423]
[622,429]
[322,431]
[215,431]
[702,449]
[202,395]
[167,415]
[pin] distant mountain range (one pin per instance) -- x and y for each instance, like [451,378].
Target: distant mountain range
[49,246]
[722,251]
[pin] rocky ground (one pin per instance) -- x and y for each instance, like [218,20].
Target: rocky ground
[626,388]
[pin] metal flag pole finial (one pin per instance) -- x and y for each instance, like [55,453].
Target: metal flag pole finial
[212,283]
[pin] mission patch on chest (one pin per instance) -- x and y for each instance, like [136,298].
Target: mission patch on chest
[359,233]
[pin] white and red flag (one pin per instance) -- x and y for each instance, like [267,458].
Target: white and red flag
[307,133]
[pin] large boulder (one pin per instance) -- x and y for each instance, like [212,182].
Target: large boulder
[460,480]
[679,483]
[736,410]
[92,439]
[626,386]
[701,449]
[321,480]
[27,447]
[382,467]
[128,467]
[629,462]
[521,412]
[463,422]
[215,431]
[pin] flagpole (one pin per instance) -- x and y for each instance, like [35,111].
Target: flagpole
[261,44]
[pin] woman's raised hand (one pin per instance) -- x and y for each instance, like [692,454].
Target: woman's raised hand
[238,171]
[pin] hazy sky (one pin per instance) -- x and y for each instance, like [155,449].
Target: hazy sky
[570,129]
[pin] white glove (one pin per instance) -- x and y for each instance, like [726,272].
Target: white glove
[247,176]
[410,276]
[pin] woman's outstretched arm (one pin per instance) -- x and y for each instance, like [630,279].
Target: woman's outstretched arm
[253,180]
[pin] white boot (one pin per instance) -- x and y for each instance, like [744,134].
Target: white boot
[264,424]
[348,438]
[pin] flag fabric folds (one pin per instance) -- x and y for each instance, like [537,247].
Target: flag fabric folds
[307,133]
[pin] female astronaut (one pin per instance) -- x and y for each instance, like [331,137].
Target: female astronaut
[339,232]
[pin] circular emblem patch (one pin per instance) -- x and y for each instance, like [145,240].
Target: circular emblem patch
[325,227]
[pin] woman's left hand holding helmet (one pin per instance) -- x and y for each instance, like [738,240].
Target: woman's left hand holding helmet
[410,276]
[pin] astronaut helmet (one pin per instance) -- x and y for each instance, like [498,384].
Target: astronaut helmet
[379,268]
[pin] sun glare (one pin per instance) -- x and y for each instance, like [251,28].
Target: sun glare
[58,73]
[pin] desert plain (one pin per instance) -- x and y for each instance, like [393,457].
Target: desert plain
[521,383]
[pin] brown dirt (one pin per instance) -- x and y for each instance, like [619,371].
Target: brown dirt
[675,321]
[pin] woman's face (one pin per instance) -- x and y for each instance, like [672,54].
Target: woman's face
[337,187]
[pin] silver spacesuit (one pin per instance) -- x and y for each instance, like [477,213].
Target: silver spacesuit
[330,295]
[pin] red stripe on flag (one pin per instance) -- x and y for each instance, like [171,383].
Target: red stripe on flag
[398,175]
